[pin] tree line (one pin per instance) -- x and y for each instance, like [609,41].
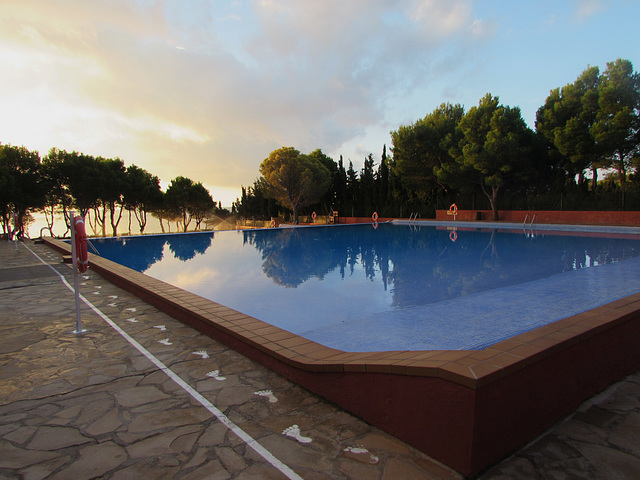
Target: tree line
[483,158]
[98,188]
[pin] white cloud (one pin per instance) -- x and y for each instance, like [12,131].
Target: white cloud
[208,89]
[588,8]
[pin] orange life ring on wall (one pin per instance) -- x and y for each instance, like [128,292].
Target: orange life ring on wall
[81,244]
[453,209]
[273,223]
[453,236]
[313,215]
[375,216]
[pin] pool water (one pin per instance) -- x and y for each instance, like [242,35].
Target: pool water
[394,287]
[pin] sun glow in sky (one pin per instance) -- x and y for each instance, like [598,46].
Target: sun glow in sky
[207,89]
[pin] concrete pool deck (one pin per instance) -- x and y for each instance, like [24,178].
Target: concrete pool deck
[375,366]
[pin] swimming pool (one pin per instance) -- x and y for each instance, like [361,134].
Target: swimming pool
[465,408]
[395,287]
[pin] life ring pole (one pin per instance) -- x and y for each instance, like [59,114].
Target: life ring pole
[453,210]
[74,263]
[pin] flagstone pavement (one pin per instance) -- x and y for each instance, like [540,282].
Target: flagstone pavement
[139,395]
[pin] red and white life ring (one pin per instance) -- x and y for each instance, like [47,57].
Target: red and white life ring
[273,223]
[453,209]
[453,236]
[313,215]
[81,244]
[375,216]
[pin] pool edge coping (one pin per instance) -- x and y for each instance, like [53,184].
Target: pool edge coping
[469,368]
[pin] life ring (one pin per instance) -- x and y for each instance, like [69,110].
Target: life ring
[453,236]
[453,209]
[81,244]
[273,223]
[313,215]
[375,216]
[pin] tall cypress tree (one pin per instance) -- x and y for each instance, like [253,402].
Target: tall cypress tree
[382,181]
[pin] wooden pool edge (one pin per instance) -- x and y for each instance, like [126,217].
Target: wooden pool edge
[467,409]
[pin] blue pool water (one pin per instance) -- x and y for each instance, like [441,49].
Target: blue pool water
[395,287]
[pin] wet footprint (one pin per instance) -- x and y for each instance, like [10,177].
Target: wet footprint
[294,432]
[267,393]
[361,455]
[216,374]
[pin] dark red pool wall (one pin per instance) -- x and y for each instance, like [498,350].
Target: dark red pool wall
[471,429]
[430,413]
[517,408]
[547,216]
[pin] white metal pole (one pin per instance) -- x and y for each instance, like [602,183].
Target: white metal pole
[15,230]
[74,263]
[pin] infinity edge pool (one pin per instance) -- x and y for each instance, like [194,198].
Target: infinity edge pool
[467,408]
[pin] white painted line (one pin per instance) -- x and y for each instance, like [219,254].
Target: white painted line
[244,436]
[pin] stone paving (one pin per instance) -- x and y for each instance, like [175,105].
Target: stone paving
[601,440]
[92,405]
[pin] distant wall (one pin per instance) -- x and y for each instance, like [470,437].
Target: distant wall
[547,216]
[361,219]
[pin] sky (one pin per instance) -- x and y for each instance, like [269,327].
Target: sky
[206,89]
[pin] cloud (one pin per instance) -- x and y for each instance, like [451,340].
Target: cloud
[208,89]
[587,8]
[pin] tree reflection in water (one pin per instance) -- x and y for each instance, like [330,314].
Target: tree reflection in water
[185,248]
[141,252]
[292,256]
[423,265]
[138,253]
[416,265]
